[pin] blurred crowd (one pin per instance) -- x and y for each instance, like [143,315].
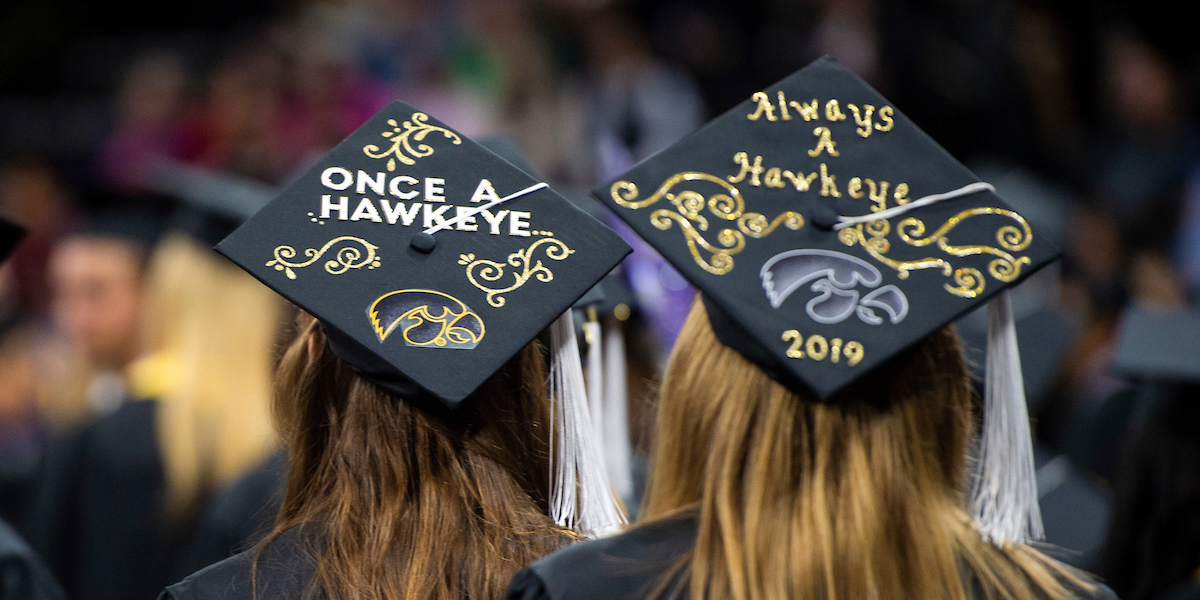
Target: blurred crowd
[135,363]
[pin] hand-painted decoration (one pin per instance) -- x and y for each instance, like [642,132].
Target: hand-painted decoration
[727,206]
[817,348]
[482,272]
[838,278]
[402,135]
[968,282]
[426,318]
[348,257]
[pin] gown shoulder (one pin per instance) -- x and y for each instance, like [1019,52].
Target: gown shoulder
[281,569]
[626,566]
[635,564]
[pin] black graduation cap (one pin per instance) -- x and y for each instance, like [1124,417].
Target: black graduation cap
[1159,345]
[427,258]
[11,235]
[753,210]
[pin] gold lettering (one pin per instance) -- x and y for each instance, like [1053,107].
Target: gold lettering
[879,199]
[800,180]
[808,111]
[864,122]
[901,195]
[828,183]
[885,113]
[764,106]
[783,111]
[742,159]
[833,112]
[773,179]
[824,143]
[854,188]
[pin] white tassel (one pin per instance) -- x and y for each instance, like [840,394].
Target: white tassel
[616,413]
[1004,498]
[580,496]
[595,372]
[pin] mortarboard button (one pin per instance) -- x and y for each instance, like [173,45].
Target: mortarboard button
[824,216]
[423,243]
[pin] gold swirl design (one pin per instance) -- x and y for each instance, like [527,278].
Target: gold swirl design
[624,193]
[878,247]
[490,271]
[402,135]
[968,282]
[721,261]
[346,258]
[756,225]
[727,205]
[1004,268]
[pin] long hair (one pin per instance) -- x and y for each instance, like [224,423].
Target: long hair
[857,498]
[211,332]
[1153,540]
[406,503]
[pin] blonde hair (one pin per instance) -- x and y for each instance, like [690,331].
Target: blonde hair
[857,498]
[211,332]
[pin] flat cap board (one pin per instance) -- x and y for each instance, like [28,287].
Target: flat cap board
[747,208]
[383,241]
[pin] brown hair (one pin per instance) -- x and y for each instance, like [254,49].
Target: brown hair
[860,497]
[407,504]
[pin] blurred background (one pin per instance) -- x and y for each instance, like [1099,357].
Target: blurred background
[135,441]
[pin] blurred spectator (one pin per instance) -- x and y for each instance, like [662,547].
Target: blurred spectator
[21,432]
[641,104]
[145,114]
[118,501]
[235,126]
[846,31]
[1153,548]
[32,194]
[1149,146]
[98,283]
[324,93]
[509,66]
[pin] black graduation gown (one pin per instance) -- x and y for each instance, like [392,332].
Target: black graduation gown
[22,574]
[236,517]
[623,567]
[284,571]
[98,516]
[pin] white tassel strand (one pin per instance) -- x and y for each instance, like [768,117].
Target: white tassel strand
[617,450]
[595,372]
[1005,499]
[580,496]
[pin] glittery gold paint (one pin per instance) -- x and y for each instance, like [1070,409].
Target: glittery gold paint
[968,282]
[482,272]
[402,135]
[690,212]
[346,258]
[817,348]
